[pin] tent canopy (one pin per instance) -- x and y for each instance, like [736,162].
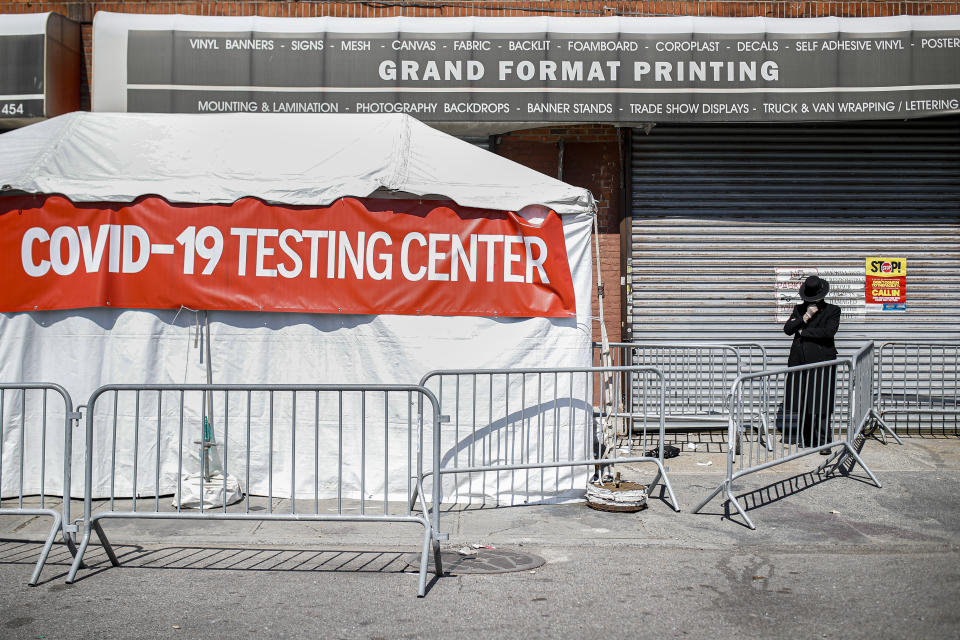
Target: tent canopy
[298,159]
[288,159]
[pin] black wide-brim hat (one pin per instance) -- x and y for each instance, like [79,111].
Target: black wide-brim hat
[814,288]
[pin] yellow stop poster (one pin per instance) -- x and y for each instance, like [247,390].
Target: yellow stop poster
[886,284]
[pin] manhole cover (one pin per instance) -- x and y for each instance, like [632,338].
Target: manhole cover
[485,561]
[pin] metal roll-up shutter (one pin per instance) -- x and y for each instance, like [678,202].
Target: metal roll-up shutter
[478,141]
[717,208]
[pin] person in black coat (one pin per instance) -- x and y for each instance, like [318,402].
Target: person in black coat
[810,393]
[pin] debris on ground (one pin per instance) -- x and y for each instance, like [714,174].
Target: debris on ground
[617,495]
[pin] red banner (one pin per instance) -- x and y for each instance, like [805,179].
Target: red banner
[354,256]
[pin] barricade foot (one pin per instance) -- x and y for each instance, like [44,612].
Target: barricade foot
[84,543]
[662,473]
[849,450]
[653,484]
[70,542]
[424,557]
[834,460]
[57,525]
[710,497]
[765,438]
[106,543]
[437,560]
[770,438]
[884,427]
[78,558]
[418,492]
[732,499]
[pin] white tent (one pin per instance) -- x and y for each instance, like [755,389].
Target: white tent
[288,159]
[285,158]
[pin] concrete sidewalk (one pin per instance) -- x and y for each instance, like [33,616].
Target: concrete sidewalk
[832,556]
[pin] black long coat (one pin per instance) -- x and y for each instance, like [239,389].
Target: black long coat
[812,341]
[810,394]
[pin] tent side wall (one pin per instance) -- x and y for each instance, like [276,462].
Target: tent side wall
[85,349]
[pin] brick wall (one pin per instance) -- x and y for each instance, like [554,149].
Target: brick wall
[82,11]
[590,156]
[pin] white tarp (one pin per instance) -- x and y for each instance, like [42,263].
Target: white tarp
[290,159]
[299,159]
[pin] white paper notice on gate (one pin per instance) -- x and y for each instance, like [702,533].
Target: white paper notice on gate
[846,289]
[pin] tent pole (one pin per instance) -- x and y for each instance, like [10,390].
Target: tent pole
[208,440]
[608,390]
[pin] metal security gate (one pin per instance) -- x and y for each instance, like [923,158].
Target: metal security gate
[478,141]
[717,209]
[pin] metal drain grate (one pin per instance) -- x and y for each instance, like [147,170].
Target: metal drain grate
[486,561]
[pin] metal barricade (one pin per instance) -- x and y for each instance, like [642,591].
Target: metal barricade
[290,445]
[510,432]
[698,376]
[784,414]
[24,424]
[866,417]
[918,386]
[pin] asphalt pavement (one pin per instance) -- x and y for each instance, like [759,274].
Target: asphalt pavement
[833,556]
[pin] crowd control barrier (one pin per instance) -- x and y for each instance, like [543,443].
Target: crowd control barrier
[918,386]
[698,377]
[310,452]
[515,436]
[783,414]
[28,413]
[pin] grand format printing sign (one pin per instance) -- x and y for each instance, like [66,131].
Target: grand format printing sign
[40,67]
[532,69]
[354,256]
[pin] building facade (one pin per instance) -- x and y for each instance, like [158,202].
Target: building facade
[709,211]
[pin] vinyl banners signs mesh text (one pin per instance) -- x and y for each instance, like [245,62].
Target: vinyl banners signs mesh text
[367,256]
[533,69]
